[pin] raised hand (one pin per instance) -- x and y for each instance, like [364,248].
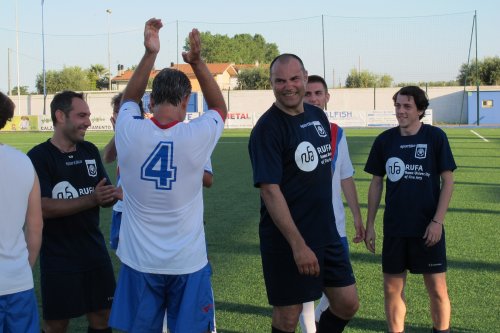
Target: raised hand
[151,35]
[194,53]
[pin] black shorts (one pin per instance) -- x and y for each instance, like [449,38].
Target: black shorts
[411,253]
[285,286]
[68,295]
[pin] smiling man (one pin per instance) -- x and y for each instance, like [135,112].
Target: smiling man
[419,165]
[301,252]
[75,268]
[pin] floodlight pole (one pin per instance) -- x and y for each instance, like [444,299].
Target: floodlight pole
[17,60]
[323,37]
[43,66]
[109,52]
[477,72]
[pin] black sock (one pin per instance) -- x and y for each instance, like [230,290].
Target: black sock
[330,323]
[95,330]
[275,330]
[440,331]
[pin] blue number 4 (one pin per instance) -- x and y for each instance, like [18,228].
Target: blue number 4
[158,167]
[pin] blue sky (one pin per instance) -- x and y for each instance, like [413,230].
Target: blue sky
[411,41]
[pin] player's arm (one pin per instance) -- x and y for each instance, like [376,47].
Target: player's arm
[138,82]
[103,195]
[209,87]
[434,230]
[275,202]
[208,179]
[34,223]
[109,152]
[351,196]
[374,196]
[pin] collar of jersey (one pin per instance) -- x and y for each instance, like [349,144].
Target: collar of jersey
[168,125]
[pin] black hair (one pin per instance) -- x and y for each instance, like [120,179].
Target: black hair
[6,109]
[170,86]
[419,96]
[63,102]
[285,56]
[317,79]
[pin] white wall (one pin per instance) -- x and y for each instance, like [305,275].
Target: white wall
[446,102]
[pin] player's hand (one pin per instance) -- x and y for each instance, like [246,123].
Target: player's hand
[370,239]
[151,35]
[194,53]
[306,261]
[119,193]
[104,194]
[433,234]
[360,231]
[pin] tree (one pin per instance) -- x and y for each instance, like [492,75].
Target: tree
[254,79]
[489,72]
[98,76]
[23,90]
[366,79]
[240,49]
[69,78]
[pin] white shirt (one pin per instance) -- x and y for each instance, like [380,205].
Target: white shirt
[160,171]
[343,170]
[17,177]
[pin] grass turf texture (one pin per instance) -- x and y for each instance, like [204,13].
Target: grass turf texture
[231,215]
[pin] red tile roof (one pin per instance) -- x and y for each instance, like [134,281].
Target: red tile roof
[215,69]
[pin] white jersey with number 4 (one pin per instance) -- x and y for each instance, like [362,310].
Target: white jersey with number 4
[161,169]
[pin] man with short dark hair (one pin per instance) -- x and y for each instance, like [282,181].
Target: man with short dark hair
[76,273]
[301,252]
[342,182]
[419,165]
[162,240]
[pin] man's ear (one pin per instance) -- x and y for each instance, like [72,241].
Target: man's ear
[60,116]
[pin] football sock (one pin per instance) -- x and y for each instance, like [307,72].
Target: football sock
[330,323]
[275,330]
[440,331]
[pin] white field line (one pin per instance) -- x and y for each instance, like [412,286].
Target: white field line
[484,139]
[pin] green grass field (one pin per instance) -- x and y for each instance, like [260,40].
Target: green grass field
[232,216]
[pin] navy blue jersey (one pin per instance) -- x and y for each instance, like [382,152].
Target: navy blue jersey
[71,243]
[295,152]
[413,165]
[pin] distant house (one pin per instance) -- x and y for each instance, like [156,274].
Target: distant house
[225,75]
[121,80]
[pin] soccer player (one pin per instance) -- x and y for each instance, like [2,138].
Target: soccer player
[20,205]
[419,165]
[301,252]
[317,95]
[76,274]
[162,240]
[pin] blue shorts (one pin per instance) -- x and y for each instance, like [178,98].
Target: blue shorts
[410,253]
[141,300]
[286,286]
[19,312]
[114,234]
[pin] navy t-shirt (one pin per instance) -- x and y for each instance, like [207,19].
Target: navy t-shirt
[71,243]
[295,152]
[413,165]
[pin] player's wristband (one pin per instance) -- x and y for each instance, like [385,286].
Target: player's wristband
[435,221]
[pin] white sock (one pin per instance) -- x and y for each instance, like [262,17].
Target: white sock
[306,318]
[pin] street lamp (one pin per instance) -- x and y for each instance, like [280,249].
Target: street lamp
[109,52]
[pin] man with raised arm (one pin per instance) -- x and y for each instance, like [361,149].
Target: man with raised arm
[162,240]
